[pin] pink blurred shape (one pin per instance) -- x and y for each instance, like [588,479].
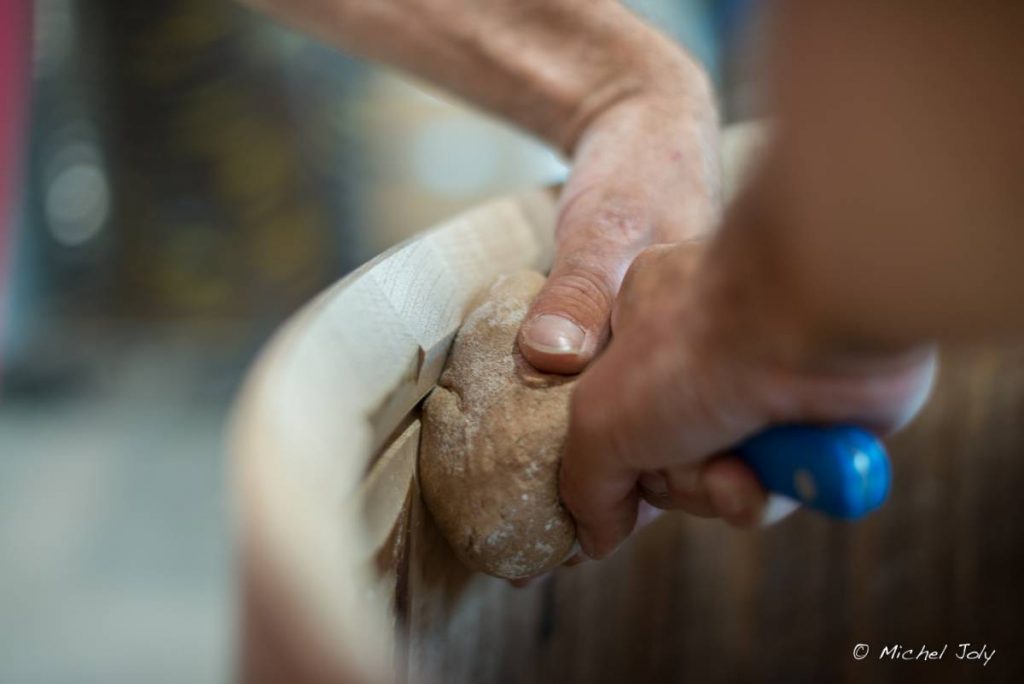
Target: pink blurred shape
[15,45]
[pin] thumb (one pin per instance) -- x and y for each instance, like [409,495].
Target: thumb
[568,322]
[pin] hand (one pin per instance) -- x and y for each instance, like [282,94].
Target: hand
[634,113]
[645,171]
[687,375]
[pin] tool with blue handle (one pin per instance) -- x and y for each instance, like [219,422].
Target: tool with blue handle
[842,471]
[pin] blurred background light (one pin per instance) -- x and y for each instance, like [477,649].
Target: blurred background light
[77,197]
[194,173]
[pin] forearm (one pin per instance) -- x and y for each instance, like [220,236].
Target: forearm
[801,294]
[549,66]
[888,209]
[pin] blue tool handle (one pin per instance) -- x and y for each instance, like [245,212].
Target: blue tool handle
[842,471]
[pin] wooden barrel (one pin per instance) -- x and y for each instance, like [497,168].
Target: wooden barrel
[346,579]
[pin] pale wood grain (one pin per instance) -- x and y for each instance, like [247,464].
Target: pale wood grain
[330,390]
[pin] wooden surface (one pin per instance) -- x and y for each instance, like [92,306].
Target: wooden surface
[347,579]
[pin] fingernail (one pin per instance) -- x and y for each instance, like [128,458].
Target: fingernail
[654,483]
[555,335]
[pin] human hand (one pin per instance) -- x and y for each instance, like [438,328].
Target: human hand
[645,171]
[634,113]
[690,373]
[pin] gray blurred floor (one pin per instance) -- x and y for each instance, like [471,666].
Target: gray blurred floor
[115,562]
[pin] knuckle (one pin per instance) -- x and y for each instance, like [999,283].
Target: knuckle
[587,294]
[610,215]
[622,222]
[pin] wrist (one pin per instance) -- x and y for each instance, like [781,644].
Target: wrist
[648,139]
[645,70]
[755,309]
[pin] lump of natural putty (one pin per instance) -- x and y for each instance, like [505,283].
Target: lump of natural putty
[493,434]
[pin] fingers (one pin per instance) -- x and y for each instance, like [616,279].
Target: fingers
[723,487]
[612,462]
[677,488]
[568,322]
[641,175]
[605,514]
[734,492]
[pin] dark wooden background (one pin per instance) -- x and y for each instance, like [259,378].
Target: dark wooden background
[689,600]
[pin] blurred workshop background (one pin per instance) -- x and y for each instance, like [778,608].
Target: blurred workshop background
[189,174]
